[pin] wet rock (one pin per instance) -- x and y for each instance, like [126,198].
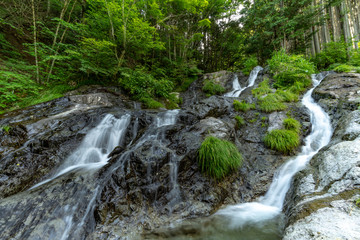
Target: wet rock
[339,94]
[328,188]
[92,99]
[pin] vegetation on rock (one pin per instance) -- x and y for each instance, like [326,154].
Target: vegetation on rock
[282,140]
[217,158]
[242,106]
[239,121]
[212,88]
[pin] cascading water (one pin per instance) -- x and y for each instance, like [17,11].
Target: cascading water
[270,206]
[237,89]
[60,206]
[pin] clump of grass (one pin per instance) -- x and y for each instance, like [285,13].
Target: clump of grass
[217,158]
[151,103]
[282,140]
[287,96]
[6,129]
[271,103]
[212,88]
[243,106]
[239,121]
[262,89]
[292,124]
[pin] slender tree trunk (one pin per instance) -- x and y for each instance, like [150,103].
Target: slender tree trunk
[335,23]
[61,39]
[35,43]
[346,26]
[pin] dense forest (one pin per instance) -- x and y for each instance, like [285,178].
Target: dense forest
[151,48]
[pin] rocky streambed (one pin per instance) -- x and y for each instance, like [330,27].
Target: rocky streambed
[152,178]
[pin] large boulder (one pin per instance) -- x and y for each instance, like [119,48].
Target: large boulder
[321,203]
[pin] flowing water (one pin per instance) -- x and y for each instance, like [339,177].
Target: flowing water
[264,220]
[62,206]
[237,89]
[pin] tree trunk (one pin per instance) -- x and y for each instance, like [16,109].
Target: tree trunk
[35,43]
[335,23]
[346,25]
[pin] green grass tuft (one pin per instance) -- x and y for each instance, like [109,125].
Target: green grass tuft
[217,158]
[271,103]
[151,103]
[287,96]
[239,121]
[262,89]
[292,124]
[243,106]
[282,140]
[211,88]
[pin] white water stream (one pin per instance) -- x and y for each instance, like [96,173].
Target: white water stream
[270,206]
[94,149]
[237,89]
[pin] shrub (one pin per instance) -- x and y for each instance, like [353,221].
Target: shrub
[355,58]
[262,89]
[151,103]
[212,88]
[334,52]
[140,84]
[271,103]
[290,69]
[249,65]
[282,140]
[344,68]
[217,158]
[242,106]
[239,121]
[292,124]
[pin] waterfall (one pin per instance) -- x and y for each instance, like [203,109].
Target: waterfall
[61,207]
[95,147]
[270,206]
[237,89]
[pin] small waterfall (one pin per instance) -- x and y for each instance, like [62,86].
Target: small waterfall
[95,147]
[270,206]
[237,89]
[62,206]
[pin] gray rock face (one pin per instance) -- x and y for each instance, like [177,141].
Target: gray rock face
[321,204]
[339,94]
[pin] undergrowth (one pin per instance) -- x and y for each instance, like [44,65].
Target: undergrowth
[239,121]
[212,88]
[242,106]
[217,158]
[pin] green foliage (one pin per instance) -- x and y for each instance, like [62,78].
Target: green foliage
[151,103]
[217,158]
[140,84]
[334,52]
[15,86]
[287,96]
[173,101]
[355,58]
[346,68]
[249,65]
[5,128]
[357,202]
[272,102]
[282,140]
[289,70]
[292,124]
[239,121]
[262,89]
[212,88]
[242,106]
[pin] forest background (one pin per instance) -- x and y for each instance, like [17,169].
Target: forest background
[151,48]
